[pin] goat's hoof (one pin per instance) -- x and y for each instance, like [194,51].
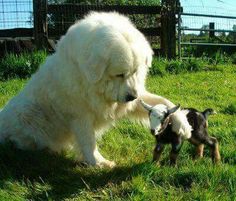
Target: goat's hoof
[216,161]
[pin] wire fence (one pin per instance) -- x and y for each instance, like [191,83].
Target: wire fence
[58,17]
[19,13]
[146,18]
[206,30]
[16,14]
[199,22]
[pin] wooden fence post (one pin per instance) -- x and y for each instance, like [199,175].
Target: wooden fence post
[40,23]
[168,28]
[212,27]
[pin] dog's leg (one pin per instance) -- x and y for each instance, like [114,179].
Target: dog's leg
[151,99]
[85,139]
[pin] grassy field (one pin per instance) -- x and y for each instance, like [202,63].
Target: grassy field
[43,176]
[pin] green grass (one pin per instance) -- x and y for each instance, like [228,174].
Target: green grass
[40,175]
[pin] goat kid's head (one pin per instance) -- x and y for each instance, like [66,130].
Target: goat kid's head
[159,116]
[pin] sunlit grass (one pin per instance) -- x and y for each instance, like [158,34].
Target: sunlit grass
[26,175]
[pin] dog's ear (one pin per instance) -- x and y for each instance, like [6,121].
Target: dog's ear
[94,67]
[92,59]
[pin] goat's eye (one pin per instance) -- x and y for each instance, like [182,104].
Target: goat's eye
[120,75]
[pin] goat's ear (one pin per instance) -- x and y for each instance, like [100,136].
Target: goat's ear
[164,125]
[146,106]
[174,109]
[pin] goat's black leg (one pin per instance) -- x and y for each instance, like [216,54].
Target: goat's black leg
[214,146]
[176,147]
[157,152]
[199,147]
[199,150]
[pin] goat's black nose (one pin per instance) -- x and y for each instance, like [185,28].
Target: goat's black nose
[130,97]
[153,132]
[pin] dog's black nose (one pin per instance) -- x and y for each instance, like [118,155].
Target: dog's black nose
[130,97]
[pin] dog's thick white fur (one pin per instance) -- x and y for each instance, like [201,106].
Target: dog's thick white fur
[92,79]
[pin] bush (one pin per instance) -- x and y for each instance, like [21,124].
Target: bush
[219,58]
[233,58]
[194,65]
[158,67]
[163,66]
[20,66]
[176,67]
[231,109]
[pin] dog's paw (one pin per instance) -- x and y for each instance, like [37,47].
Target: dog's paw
[106,164]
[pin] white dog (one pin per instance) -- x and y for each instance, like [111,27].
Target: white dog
[93,79]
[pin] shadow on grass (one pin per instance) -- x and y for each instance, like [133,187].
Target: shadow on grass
[62,174]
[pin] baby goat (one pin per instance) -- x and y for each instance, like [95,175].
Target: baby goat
[162,129]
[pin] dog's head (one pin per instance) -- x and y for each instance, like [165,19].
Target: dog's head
[159,116]
[111,53]
[118,65]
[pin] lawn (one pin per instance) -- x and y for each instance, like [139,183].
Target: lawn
[26,175]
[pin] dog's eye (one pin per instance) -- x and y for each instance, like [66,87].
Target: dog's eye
[120,75]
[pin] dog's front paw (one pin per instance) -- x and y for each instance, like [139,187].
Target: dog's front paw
[106,164]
